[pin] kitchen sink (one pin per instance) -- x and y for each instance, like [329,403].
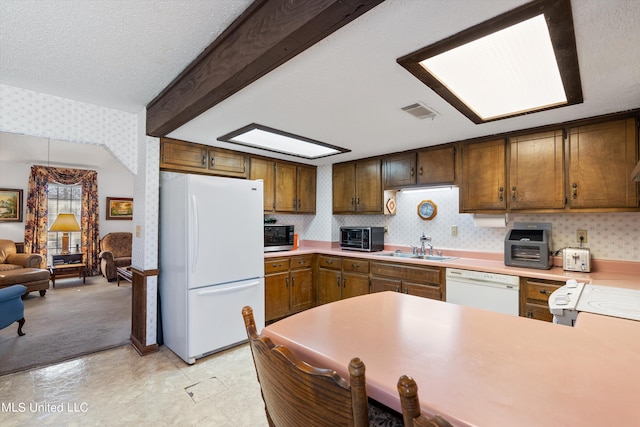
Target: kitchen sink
[414,256]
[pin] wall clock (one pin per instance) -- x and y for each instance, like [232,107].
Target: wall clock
[427,209]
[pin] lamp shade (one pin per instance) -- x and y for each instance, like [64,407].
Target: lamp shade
[65,222]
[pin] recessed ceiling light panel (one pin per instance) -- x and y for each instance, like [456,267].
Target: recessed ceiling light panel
[266,138]
[522,61]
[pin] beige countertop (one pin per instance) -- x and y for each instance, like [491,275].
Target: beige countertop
[624,274]
[477,367]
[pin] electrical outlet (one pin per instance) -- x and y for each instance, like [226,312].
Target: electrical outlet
[581,236]
[386,228]
[454,230]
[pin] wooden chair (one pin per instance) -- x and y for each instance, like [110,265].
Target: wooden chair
[298,394]
[408,390]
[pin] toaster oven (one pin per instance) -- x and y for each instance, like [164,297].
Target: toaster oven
[367,239]
[528,245]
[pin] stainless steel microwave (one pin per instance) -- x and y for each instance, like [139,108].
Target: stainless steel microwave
[368,239]
[278,237]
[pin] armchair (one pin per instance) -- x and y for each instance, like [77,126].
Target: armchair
[12,307]
[115,251]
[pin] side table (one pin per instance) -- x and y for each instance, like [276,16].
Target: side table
[124,273]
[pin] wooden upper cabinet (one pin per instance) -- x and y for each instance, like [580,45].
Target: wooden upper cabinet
[483,186]
[436,166]
[182,156]
[601,159]
[295,188]
[357,187]
[400,170]
[228,163]
[536,173]
[265,170]
[285,187]
[306,189]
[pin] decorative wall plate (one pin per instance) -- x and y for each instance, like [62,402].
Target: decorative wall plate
[427,209]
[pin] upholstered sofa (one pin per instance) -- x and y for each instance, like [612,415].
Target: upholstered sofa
[22,269]
[115,251]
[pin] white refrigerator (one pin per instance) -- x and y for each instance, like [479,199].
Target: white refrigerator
[211,261]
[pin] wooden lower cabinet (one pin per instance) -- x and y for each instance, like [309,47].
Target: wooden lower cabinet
[535,293]
[288,286]
[422,281]
[340,278]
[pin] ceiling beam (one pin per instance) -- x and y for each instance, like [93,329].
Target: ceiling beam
[266,35]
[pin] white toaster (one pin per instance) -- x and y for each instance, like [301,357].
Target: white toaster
[576,259]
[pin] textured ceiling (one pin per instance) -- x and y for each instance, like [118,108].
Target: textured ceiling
[347,90]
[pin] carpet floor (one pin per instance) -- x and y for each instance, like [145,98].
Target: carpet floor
[72,320]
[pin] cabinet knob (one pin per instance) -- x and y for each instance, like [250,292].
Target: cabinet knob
[286,282]
[412,171]
[574,188]
[513,194]
[421,172]
[213,162]
[545,292]
[501,193]
[530,314]
[204,160]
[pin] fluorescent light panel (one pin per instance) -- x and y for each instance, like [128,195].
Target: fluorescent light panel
[278,141]
[514,71]
[522,61]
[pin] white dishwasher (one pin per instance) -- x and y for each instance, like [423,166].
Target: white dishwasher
[487,291]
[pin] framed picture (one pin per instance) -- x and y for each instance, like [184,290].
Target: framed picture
[119,208]
[10,205]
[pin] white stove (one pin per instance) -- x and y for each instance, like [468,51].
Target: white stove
[567,301]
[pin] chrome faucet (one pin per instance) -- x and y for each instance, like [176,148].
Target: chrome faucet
[423,249]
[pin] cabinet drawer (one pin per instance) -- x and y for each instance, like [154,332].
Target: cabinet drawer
[304,261]
[357,265]
[276,265]
[407,272]
[424,291]
[330,262]
[538,312]
[540,291]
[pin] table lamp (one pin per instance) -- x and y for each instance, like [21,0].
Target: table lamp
[65,223]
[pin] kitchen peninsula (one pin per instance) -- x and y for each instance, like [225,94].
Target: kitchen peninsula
[476,367]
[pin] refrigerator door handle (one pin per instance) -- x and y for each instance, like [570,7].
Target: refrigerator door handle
[195,244]
[229,289]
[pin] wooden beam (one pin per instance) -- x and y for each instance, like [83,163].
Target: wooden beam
[266,35]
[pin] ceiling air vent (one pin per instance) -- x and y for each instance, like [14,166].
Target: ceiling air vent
[420,111]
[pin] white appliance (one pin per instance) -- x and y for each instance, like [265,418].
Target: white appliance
[567,301]
[211,261]
[487,291]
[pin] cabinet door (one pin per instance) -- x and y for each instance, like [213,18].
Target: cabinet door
[276,296]
[536,176]
[437,166]
[265,170]
[182,156]
[286,182]
[301,289]
[483,177]
[306,190]
[369,186]
[399,170]
[602,157]
[421,290]
[329,286]
[344,187]
[354,285]
[379,284]
[228,163]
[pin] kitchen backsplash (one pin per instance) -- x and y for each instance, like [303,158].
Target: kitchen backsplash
[612,236]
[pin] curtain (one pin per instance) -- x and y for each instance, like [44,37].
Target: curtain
[35,233]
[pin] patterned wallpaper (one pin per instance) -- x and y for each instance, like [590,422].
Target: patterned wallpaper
[613,236]
[38,114]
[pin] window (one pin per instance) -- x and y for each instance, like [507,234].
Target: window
[63,199]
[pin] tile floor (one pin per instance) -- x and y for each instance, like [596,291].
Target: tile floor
[119,387]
